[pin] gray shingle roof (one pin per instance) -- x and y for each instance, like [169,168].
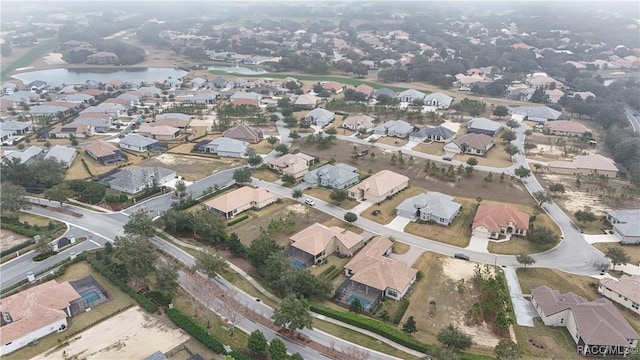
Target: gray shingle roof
[134,177]
[14,126]
[173,116]
[542,112]
[334,174]
[434,203]
[61,153]
[223,144]
[435,131]
[484,124]
[137,140]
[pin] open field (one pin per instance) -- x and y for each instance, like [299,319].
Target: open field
[496,157]
[192,167]
[434,148]
[266,175]
[457,234]
[34,53]
[441,274]
[325,195]
[263,147]
[393,141]
[632,250]
[117,301]
[388,207]
[132,334]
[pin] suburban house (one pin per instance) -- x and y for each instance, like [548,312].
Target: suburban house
[306,101]
[384,91]
[338,176]
[585,165]
[139,143]
[34,313]
[68,130]
[597,327]
[626,225]
[99,124]
[625,291]
[48,110]
[535,113]
[232,203]
[567,128]
[483,126]
[8,88]
[14,128]
[474,144]
[359,123]
[63,154]
[332,86]
[379,186]
[295,165]
[397,128]
[102,58]
[160,132]
[134,180]
[312,245]
[223,146]
[250,134]
[438,100]
[410,95]
[373,275]
[178,120]
[495,221]
[436,133]
[105,153]
[28,155]
[320,117]
[431,206]
[245,102]
[365,89]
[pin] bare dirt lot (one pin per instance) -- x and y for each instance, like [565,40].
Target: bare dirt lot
[469,187]
[9,239]
[192,167]
[131,334]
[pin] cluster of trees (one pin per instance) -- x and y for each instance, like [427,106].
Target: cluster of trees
[260,348]
[625,148]
[312,63]
[37,177]
[207,227]
[229,115]
[494,306]
[473,107]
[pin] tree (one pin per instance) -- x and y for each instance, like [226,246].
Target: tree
[242,175]
[507,350]
[181,188]
[339,195]
[210,263]
[43,246]
[522,172]
[454,338]
[542,235]
[294,135]
[472,161]
[166,278]
[94,192]
[13,198]
[585,216]
[529,146]
[257,343]
[282,149]
[511,124]
[541,197]
[272,140]
[436,353]
[235,246]
[356,306]
[139,224]
[59,193]
[296,194]
[288,179]
[135,255]
[525,259]
[260,250]
[409,326]
[557,188]
[508,136]
[255,160]
[293,314]
[277,350]
[511,149]
[296,356]
[350,217]
[617,255]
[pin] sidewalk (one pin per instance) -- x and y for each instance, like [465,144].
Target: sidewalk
[522,308]
[85,205]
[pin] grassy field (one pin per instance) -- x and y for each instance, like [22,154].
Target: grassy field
[263,147]
[393,141]
[496,157]
[388,207]
[117,301]
[400,248]
[435,148]
[30,56]
[266,175]
[632,250]
[325,195]
[457,234]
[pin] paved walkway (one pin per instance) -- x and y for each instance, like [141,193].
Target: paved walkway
[409,257]
[398,223]
[629,269]
[361,207]
[608,238]
[478,244]
[522,307]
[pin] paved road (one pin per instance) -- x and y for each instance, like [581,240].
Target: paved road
[633,117]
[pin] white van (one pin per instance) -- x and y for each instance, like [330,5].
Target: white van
[309,202]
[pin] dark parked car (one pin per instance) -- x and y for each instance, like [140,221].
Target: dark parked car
[461,256]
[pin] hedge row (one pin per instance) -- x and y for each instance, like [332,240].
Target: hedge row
[328,270]
[115,198]
[335,274]
[104,271]
[18,247]
[20,229]
[238,219]
[402,308]
[185,323]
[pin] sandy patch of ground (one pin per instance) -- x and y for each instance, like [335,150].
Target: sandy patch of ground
[168,159]
[456,269]
[54,59]
[9,239]
[297,208]
[129,335]
[453,126]
[546,150]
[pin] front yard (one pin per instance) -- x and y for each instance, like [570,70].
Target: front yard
[325,195]
[456,234]
[386,211]
[434,148]
[495,157]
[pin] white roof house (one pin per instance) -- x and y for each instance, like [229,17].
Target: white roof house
[431,206]
[397,128]
[410,95]
[439,100]
[64,154]
[223,146]
[483,126]
[320,117]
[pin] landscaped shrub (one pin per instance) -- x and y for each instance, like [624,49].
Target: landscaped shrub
[18,247]
[78,185]
[44,255]
[238,219]
[402,308]
[185,323]
[123,198]
[116,198]
[335,274]
[159,298]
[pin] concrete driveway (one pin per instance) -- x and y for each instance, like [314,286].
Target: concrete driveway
[478,244]
[361,207]
[522,307]
[398,223]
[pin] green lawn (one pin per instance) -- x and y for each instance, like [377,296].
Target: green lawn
[32,55]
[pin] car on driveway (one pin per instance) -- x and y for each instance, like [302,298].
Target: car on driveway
[461,256]
[309,202]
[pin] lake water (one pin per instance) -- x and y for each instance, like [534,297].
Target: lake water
[238,70]
[55,77]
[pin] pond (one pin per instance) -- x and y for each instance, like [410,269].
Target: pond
[55,77]
[242,70]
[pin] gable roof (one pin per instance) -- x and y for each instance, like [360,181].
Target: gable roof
[591,162]
[335,174]
[484,124]
[360,120]
[307,99]
[434,203]
[540,112]
[627,286]
[598,322]
[495,217]
[381,183]
[413,93]
[370,267]
[398,126]
[137,140]
[384,91]
[101,148]
[158,130]
[440,97]
[35,308]
[173,116]
[61,153]
[365,89]
[320,113]
[476,141]
[434,131]
[317,237]
[134,177]
[240,197]
[14,126]
[243,132]
[26,154]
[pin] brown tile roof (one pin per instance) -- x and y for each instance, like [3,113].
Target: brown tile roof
[627,286]
[242,101]
[370,267]
[360,120]
[566,126]
[239,198]
[93,92]
[332,85]
[79,128]
[476,141]
[298,160]
[317,237]
[244,132]
[589,162]
[380,183]
[35,308]
[148,128]
[101,148]
[598,322]
[494,217]
[365,89]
